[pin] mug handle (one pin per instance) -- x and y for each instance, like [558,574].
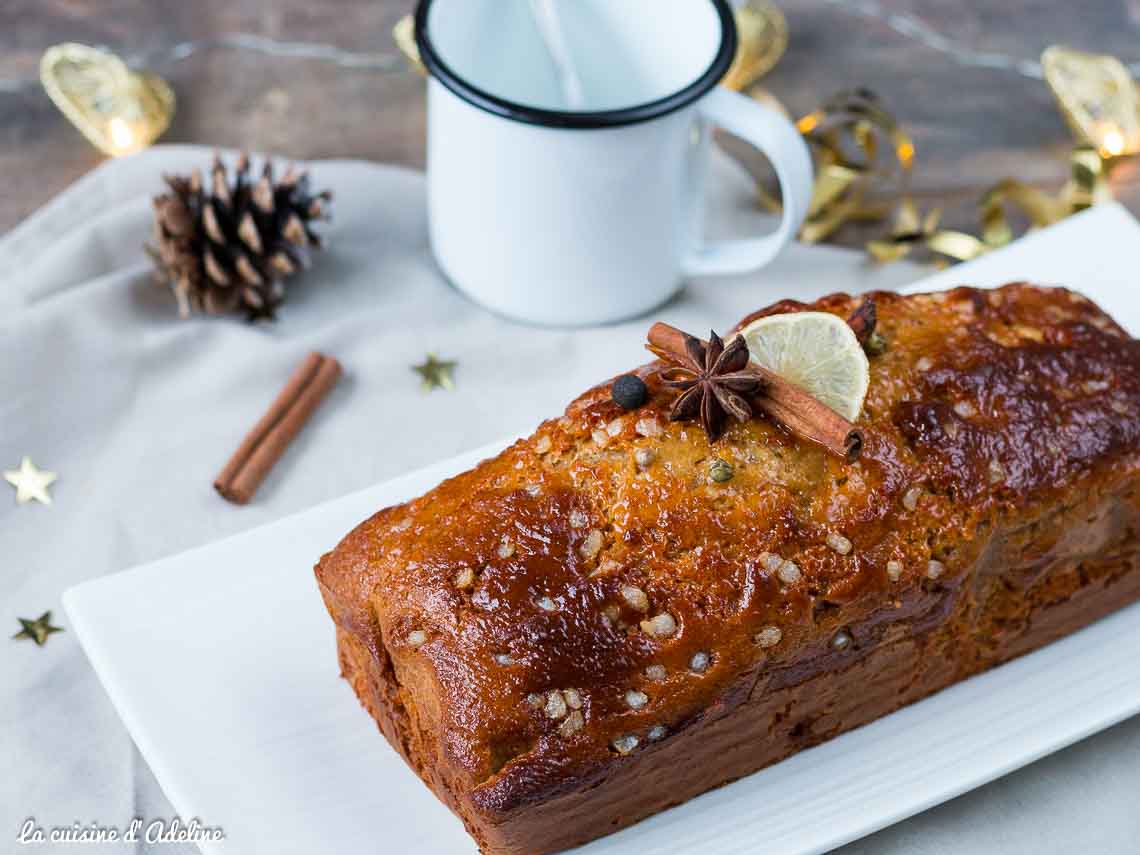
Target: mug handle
[786,150]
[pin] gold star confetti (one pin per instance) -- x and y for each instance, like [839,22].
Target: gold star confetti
[436,373]
[37,630]
[30,482]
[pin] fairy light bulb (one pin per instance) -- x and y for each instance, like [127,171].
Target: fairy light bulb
[1112,143]
[1098,98]
[122,137]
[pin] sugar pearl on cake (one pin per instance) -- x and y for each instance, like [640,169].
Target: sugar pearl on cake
[965,409]
[839,543]
[699,663]
[841,640]
[656,673]
[769,636]
[506,547]
[555,705]
[924,364]
[573,698]
[996,472]
[770,562]
[542,444]
[503,659]
[592,545]
[417,637]
[789,572]
[635,700]
[571,725]
[579,518]
[910,498]
[625,744]
[660,626]
[894,570]
[648,427]
[934,569]
[656,733]
[635,598]
[465,578]
[1031,333]
[611,614]
[644,457]
[608,565]
[546,604]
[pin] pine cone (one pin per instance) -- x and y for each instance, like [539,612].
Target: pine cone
[230,247]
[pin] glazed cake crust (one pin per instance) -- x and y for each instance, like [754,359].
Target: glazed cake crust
[587,628]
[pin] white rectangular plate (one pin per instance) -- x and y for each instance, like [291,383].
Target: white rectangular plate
[222,664]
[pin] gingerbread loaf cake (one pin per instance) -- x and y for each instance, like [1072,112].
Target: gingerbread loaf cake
[590,628]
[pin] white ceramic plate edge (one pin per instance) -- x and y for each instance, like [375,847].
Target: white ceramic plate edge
[1109,698]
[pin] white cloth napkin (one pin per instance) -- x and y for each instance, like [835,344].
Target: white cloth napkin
[138,410]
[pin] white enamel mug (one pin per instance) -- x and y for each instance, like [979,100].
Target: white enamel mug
[567,147]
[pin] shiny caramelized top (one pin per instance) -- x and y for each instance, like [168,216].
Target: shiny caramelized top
[600,556]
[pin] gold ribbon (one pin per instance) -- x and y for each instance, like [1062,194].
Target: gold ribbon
[864,160]
[1097,97]
[848,136]
[1087,185]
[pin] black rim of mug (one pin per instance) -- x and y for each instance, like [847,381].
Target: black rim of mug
[585,119]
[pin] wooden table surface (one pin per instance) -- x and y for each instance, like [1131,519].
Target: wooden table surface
[972,125]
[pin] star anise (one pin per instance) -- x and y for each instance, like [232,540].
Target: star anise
[713,382]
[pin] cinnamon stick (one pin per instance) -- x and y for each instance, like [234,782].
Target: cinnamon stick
[267,441]
[782,400]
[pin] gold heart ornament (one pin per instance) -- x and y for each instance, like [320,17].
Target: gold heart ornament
[120,111]
[404,34]
[762,38]
[1097,96]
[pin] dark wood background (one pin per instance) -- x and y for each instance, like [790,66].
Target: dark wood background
[971,125]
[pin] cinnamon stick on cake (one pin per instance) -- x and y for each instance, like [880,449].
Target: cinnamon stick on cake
[626,609]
